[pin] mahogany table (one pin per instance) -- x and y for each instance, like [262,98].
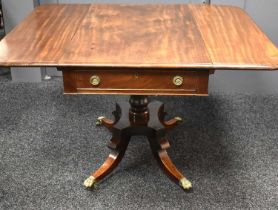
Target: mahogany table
[138,50]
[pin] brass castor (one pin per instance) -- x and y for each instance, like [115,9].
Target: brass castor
[178,119]
[90,182]
[99,120]
[185,184]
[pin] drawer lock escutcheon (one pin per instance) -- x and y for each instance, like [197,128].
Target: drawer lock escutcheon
[95,80]
[178,80]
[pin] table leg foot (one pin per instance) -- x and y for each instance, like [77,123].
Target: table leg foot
[90,182]
[185,184]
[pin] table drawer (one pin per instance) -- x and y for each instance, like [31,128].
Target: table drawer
[136,82]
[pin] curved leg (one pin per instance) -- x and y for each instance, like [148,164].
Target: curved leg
[157,109]
[173,122]
[110,123]
[119,147]
[104,121]
[160,153]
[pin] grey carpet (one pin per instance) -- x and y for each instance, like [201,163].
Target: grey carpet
[227,146]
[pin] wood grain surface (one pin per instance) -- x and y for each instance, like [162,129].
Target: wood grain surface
[232,39]
[139,36]
[135,82]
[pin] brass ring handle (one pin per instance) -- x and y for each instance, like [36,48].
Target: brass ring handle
[95,80]
[178,80]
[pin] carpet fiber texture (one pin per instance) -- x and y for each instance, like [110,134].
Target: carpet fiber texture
[227,146]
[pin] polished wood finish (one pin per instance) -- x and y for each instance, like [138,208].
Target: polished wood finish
[139,36]
[233,40]
[41,38]
[135,82]
[118,147]
[139,118]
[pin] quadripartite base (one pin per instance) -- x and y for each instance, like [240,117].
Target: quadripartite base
[138,117]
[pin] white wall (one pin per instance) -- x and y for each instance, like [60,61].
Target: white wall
[238,3]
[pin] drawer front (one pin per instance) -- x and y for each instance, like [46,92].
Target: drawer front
[136,82]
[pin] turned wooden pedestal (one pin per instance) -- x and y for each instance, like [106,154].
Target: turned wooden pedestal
[138,117]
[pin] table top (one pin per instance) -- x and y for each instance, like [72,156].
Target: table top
[139,36]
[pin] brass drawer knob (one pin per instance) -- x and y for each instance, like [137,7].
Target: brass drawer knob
[178,80]
[95,80]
